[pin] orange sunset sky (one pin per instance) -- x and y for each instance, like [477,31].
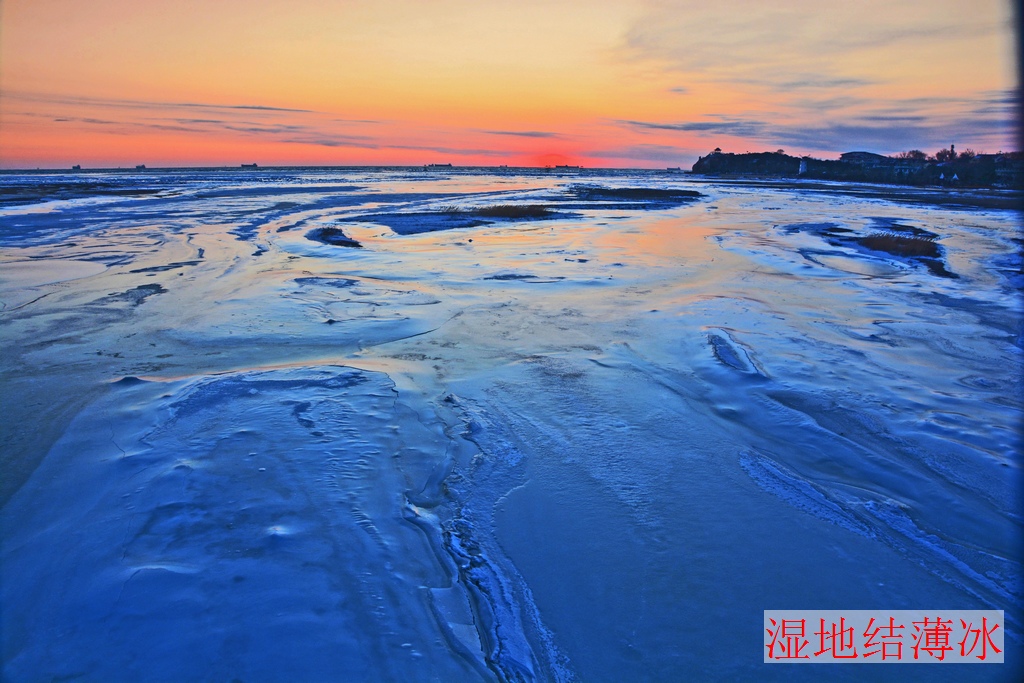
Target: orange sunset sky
[605,83]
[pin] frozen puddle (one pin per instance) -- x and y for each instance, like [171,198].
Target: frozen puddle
[249,525]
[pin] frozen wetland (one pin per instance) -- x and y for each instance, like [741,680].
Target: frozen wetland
[352,424]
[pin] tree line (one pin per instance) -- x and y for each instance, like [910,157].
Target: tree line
[943,156]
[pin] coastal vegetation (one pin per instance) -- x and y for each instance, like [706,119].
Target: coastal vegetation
[912,167]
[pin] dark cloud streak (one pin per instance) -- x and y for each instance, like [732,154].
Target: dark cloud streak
[664,153]
[522,133]
[737,127]
[142,104]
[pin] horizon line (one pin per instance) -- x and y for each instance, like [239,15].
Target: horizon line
[372,166]
[430,165]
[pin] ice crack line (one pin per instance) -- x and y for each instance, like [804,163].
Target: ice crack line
[110,425]
[27,303]
[418,334]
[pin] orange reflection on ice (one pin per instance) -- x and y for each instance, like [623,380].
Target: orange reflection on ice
[658,240]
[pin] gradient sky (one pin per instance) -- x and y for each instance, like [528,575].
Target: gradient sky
[610,83]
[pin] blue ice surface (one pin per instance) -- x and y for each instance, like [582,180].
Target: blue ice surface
[590,447]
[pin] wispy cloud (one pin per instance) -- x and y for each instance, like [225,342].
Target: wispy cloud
[255,129]
[282,125]
[822,106]
[886,129]
[82,119]
[132,116]
[787,46]
[281,132]
[127,127]
[883,138]
[904,120]
[150,105]
[522,133]
[458,151]
[329,142]
[664,153]
[812,82]
[725,126]
[684,30]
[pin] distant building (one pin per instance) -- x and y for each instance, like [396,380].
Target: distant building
[866,159]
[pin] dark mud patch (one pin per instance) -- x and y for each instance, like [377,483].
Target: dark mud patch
[333,236]
[816,228]
[504,211]
[335,282]
[906,243]
[522,277]
[138,294]
[169,266]
[515,211]
[626,198]
[632,194]
[910,246]
[893,225]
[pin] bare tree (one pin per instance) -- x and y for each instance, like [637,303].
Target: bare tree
[914,154]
